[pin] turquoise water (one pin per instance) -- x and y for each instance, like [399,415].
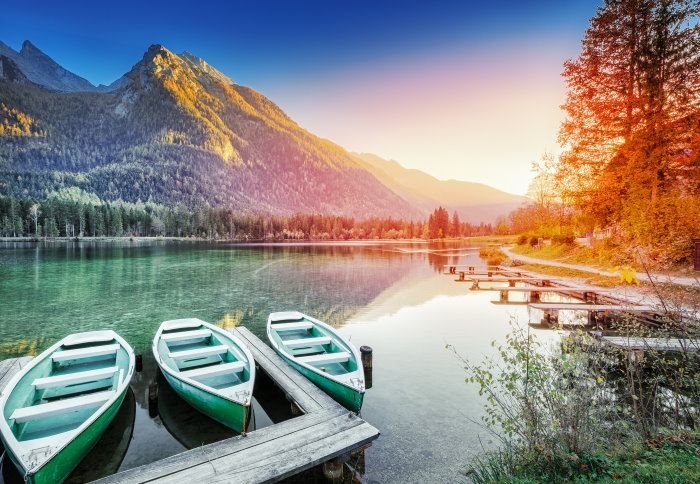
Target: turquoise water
[392,297]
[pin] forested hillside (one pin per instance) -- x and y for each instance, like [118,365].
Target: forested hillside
[177,131]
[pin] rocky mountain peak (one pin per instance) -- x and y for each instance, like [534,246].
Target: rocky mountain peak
[29,48]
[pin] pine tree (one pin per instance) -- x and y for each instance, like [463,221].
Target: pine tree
[632,135]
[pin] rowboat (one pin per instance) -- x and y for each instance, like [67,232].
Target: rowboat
[57,407]
[321,354]
[209,368]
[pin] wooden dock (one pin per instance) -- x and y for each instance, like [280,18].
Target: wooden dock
[537,281]
[596,312]
[658,344]
[326,431]
[535,291]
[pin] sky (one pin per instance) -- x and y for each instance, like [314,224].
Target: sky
[468,90]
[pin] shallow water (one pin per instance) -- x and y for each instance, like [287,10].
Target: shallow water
[392,297]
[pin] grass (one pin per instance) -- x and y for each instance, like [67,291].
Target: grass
[591,278]
[663,460]
[493,255]
[601,257]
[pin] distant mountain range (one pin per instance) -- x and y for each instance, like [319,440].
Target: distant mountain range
[176,130]
[474,202]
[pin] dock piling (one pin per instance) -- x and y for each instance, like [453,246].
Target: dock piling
[333,469]
[153,399]
[139,362]
[366,353]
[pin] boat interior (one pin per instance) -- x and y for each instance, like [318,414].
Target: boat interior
[313,344]
[66,388]
[204,355]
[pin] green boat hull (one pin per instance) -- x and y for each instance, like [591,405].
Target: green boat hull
[226,412]
[62,464]
[346,396]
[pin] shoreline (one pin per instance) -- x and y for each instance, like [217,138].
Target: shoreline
[135,238]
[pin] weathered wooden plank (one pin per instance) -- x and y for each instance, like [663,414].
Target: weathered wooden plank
[659,344]
[223,449]
[299,459]
[507,279]
[591,307]
[307,395]
[273,453]
[10,367]
[546,289]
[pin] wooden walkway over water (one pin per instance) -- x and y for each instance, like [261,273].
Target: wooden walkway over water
[325,431]
[632,343]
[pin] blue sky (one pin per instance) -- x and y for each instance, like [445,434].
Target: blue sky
[345,69]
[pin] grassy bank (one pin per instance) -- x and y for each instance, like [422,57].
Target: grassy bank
[660,460]
[601,256]
[582,410]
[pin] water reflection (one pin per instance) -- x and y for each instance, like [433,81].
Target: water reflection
[392,297]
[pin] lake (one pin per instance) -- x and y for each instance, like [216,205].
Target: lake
[390,296]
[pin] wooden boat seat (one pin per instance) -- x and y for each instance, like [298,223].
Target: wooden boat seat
[74,378]
[291,326]
[215,370]
[185,335]
[326,358]
[303,342]
[199,352]
[60,407]
[286,316]
[88,352]
[177,324]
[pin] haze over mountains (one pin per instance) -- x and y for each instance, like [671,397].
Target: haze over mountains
[474,202]
[176,130]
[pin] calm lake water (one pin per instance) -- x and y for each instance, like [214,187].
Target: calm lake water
[391,297]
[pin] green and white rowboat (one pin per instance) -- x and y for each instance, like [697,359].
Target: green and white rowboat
[209,368]
[57,407]
[321,354]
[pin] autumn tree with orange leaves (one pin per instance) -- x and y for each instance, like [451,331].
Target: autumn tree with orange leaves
[632,131]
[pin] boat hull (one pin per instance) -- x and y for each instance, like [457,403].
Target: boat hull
[62,464]
[346,396]
[224,411]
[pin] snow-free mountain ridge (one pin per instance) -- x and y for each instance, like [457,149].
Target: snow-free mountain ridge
[176,130]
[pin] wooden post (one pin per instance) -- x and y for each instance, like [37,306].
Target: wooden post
[153,399]
[511,283]
[551,317]
[534,296]
[461,276]
[475,284]
[366,354]
[504,296]
[471,269]
[453,269]
[333,469]
[139,362]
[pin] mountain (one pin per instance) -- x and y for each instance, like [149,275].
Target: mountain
[474,202]
[172,130]
[44,71]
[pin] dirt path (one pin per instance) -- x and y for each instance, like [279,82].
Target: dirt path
[663,278]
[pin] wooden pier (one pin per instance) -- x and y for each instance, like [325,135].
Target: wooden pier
[596,312]
[535,291]
[658,344]
[326,431]
[510,280]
